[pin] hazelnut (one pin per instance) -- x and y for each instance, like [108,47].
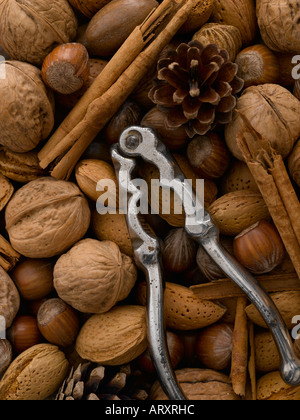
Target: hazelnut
[178,251]
[208,155]
[5,355]
[34,278]
[214,346]
[24,333]
[66,68]
[58,322]
[257,65]
[176,351]
[259,248]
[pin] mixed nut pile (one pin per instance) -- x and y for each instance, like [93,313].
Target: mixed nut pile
[223,96]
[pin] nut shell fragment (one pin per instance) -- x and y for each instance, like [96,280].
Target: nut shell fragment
[9,298]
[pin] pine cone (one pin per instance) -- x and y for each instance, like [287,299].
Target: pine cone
[93,382]
[196,87]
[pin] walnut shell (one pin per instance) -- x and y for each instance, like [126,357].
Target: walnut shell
[46,217]
[115,337]
[93,276]
[27,107]
[30,30]
[9,298]
[239,13]
[278,21]
[35,374]
[273,112]
[227,37]
[199,384]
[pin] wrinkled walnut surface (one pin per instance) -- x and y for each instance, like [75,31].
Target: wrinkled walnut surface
[93,276]
[9,298]
[46,217]
[27,107]
[30,29]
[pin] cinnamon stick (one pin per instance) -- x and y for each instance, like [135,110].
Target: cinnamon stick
[272,179]
[239,359]
[8,256]
[251,362]
[226,288]
[99,111]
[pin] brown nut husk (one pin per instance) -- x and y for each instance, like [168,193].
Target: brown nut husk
[227,37]
[20,167]
[6,355]
[272,387]
[124,326]
[93,276]
[26,114]
[6,191]
[239,13]
[9,298]
[294,163]
[238,177]
[199,384]
[236,211]
[200,14]
[46,217]
[266,354]
[35,374]
[29,30]
[278,22]
[110,27]
[273,112]
[287,303]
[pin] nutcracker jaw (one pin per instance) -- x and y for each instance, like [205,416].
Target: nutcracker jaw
[138,142]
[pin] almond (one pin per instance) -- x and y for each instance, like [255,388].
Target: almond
[266,354]
[115,337]
[35,374]
[236,211]
[288,304]
[272,387]
[237,178]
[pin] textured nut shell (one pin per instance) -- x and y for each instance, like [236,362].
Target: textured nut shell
[6,191]
[273,112]
[199,15]
[227,37]
[185,311]
[288,304]
[26,112]
[236,211]
[30,29]
[89,172]
[35,374]
[238,177]
[89,7]
[113,227]
[278,21]
[266,354]
[6,355]
[20,167]
[46,217]
[9,298]
[239,13]
[199,384]
[123,326]
[272,387]
[294,163]
[296,90]
[93,276]
[110,27]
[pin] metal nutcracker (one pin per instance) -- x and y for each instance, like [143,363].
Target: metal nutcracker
[137,142]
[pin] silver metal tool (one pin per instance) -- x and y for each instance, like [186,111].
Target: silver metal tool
[138,142]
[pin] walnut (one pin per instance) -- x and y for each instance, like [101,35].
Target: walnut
[27,107]
[46,217]
[278,21]
[9,298]
[93,276]
[30,30]
[199,384]
[273,112]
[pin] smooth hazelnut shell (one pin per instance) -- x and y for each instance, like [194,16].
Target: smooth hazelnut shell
[214,346]
[66,69]
[259,248]
[178,251]
[24,333]
[176,351]
[208,155]
[58,322]
[34,278]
